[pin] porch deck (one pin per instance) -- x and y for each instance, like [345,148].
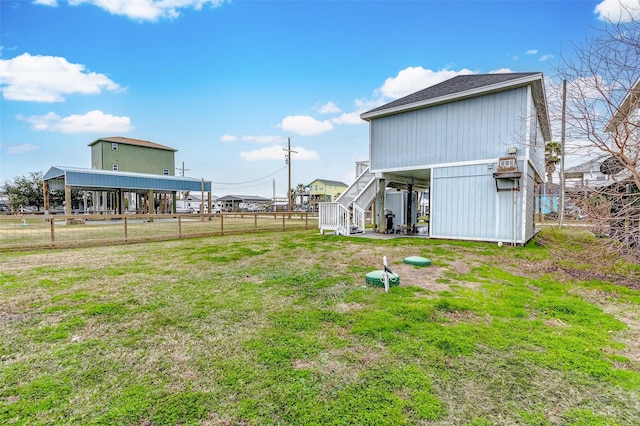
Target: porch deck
[369,233]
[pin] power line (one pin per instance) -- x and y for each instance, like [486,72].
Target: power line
[250,181]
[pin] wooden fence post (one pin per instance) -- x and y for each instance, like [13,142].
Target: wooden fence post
[126,231]
[180,226]
[221,224]
[53,232]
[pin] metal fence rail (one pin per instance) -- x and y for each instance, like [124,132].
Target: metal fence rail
[29,231]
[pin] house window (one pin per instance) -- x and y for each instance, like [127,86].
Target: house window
[114,146]
[165,172]
[114,167]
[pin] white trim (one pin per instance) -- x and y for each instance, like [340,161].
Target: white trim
[443,165]
[480,239]
[524,190]
[455,96]
[527,130]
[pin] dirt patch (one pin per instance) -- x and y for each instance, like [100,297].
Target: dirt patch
[302,364]
[582,275]
[347,307]
[253,279]
[424,277]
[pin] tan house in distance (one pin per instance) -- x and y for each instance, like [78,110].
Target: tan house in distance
[323,190]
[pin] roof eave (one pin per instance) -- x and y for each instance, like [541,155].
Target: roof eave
[492,88]
[626,106]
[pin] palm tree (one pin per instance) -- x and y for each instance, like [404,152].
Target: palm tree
[552,152]
[298,194]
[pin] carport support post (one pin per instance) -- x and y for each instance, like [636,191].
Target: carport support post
[202,203]
[45,190]
[67,203]
[174,200]
[381,223]
[120,200]
[151,204]
[409,206]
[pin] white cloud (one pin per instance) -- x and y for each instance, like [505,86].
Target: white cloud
[501,71]
[276,152]
[18,149]
[531,52]
[91,122]
[262,138]
[348,118]
[228,138]
[48,79]
[142,10]
[617,11]
[545,58]
[363,104]
[328,108]
[413,79]
[304,125]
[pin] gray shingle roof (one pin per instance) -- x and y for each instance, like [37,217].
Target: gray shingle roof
[458,84]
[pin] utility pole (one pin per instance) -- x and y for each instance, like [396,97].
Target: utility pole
[562,143]
[274,196]
[288,159]
[182,170]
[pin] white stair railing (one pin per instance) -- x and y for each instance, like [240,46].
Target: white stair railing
[358,219]
[334,217]
[347,215]
[366,195]
[355,188]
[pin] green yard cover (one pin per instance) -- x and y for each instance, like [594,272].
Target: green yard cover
[417,261]
[375,278]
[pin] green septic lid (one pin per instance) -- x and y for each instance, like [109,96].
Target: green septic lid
[417,261]
[375,278]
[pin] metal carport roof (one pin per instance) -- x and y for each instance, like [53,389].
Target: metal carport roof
[93,179]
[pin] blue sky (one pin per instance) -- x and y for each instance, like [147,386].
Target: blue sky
[227,82]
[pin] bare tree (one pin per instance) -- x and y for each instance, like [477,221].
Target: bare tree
[603,115]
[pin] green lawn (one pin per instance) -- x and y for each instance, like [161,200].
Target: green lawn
[279,328]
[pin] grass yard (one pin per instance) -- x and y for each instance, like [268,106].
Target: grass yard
[278,328]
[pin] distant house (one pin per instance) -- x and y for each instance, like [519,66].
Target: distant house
[192,204]
[232,203]
[474,143]
[324,190]
[126,176]
[121,154]
[622,189]
[586,174]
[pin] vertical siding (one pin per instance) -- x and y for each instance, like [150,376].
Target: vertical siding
[138,159]
[468,130]
[96,156]
[529,212]
[466,205]
[537,145]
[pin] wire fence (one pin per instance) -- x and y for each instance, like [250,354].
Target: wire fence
[32,231]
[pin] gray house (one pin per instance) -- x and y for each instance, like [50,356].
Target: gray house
[474,143]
